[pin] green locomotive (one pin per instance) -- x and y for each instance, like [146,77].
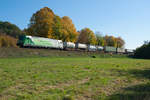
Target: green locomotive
[32,41]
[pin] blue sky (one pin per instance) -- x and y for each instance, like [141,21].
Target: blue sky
[129,19]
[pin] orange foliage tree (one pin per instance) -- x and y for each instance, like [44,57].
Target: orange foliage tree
[87,36]
[41,23]
[45,23]
[69,30]
[114,41]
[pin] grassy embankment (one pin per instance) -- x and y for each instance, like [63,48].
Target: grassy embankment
[69,78]
[26,52]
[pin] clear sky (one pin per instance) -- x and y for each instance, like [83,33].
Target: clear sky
[129,19]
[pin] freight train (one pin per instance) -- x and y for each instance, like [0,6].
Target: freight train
[40,42]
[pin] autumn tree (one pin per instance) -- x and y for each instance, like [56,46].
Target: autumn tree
[87,36]
[64,29]
[41,23]
[45,23]
[120,42]
[68,30]
[110,41]
[114,41]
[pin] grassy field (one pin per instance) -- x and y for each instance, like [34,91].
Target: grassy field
[78,78]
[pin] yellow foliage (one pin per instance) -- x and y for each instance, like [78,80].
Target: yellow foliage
[70,30]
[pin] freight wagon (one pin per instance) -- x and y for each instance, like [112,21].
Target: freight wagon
[68,45]
[100,48]
[110,49]
[120,50]
[92,48]
[81,46]
[129,51]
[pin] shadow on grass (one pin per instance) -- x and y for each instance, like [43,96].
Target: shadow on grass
[137,92]
[136,73]
[140,73]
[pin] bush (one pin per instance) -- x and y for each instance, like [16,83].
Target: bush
[143,51]
[7,41]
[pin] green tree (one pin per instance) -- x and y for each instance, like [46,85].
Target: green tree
[100,39]
[87,36]
[57,28]
[9,29]
[41,23]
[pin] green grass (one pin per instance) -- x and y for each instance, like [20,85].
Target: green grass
[42,74]
[79,78]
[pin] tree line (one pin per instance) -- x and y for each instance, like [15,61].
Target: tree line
[45,23]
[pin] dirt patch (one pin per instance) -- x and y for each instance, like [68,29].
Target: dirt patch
[67,84]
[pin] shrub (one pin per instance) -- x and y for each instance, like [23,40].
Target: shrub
[7,41]
[143,51]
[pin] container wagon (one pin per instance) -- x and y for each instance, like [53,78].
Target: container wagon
[100,48]
[69,45]
[120,50]
[92,48]
[109,49]
[81,46]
